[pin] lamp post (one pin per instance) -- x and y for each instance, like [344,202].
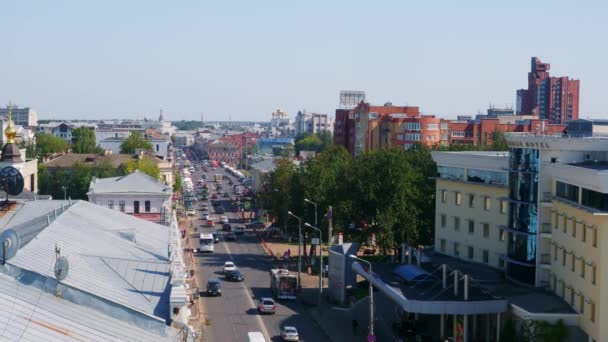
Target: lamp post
[315,204]
[320,261]
[299,246]
[63,187]
[371,294]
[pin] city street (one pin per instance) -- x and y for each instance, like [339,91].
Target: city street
[234,314]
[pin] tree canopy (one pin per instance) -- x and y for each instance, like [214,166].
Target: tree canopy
[133,142]
[187,125]
[83,141]
[144,165]
[47,144]
[314,142]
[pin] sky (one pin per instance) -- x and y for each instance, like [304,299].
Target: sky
[241,60]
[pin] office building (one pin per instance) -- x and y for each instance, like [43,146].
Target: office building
[22,116]
[312,123]
[555,99]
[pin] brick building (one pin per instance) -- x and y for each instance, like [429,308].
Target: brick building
[552,98]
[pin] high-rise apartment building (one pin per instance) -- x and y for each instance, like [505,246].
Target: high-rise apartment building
[22,116]
[312,123]
[552,98]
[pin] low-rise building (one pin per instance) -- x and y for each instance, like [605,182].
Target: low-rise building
[135,194]
[259,173]
[22,116]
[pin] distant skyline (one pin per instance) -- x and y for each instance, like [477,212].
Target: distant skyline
[244,59]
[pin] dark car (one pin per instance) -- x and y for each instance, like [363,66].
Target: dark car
[216,237]
[235,275]
[219,210]
[227,227]
[230,236]
[226,195]
[213,287]
[240,230]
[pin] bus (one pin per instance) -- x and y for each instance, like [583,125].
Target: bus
[206,243]
[283,283]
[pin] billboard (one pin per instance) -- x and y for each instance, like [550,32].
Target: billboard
[351,98]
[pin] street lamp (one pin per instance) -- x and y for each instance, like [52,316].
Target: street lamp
[320,260]
[315,204]
[299,246]
[371,294]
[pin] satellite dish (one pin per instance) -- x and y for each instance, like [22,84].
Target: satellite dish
[11,181]
[10,244]
[62,267]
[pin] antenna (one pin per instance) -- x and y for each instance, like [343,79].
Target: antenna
[10,244]
[62,267]
[11,181]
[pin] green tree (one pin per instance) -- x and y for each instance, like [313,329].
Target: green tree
[509,332]
[314,142]
[177,183]
[499,143]
[280,188]
[145,165]
[187,125]
[83,141]
[47,144]
[133,142]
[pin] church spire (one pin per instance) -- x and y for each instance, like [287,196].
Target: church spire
[10,129]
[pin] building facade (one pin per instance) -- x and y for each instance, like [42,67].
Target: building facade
[471,206]
[555,99]
[22,116]
[312,123]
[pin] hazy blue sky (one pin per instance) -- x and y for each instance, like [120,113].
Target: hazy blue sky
[105,59]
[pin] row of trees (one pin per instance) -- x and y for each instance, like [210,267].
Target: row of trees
[387,192]
[74,183]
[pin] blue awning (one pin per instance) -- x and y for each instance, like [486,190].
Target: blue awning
[413,273]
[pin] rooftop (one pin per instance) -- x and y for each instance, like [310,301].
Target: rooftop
[135,182]
[70,159]
[593,165]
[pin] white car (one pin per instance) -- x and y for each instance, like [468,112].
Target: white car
[224,219]
[229,266]
[207,218]
[191,212]
[289,333]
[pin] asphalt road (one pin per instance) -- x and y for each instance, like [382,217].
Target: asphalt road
[234,314]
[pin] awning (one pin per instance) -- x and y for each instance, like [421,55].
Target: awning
[413,273]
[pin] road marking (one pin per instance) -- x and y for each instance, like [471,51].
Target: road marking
[249,296]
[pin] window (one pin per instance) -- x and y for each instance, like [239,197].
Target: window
[147,206]
[564,257]
[486,203]
[594,237]
[471,252]
[574,228]
[565,226]
[583,268]
[555,252]
[111,204]
[593,274]
[471,200]
[571,296]
[447,172]
[136,207]
[458,198]
[443,220]
[594,199]
[572,262]
[566,191]
[503,207]
[487,177]
[486,230]
[502,235]
[457,223]
[432,126]
[471,226]
[584,233]
[157,148]
[121,206]
[412,126]
[442,245]
[592,312]
[457,248]
[444,196]
[556,220]
[486,256]
[581,304]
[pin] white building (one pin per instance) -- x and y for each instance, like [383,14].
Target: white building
[22,116]
[312,123]
[136,194]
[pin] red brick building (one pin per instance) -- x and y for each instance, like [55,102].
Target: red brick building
[555,99]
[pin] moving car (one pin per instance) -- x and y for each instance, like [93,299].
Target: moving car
[220,210]
[204,207]
[229,266]
[235,275]
[223,218]
[240,230]
[213,287]
[230,237]
[289,333]
[191,212]
[267,306]
[209,223]
[226,195]
[206,242]
[227,227]
[214,196]
[216,237]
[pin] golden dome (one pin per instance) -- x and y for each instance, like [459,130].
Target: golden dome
[10,129]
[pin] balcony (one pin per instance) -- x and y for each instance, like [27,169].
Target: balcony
[545,260]
[546,199]
[545,230]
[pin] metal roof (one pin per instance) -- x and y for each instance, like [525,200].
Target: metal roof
[136,182]
[119,264]
[30,314]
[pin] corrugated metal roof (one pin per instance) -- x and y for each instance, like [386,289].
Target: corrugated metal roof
[136,182]
[30,314]
[104,260]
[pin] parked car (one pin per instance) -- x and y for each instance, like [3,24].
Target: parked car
[214,196]
[224,219]
[229,266]
[235,275]
[227,227]
[267,306]
[216,236]
[191,212]
[230,236]
[220,210]
[204,207]
[213,287]
[240,230]
[226,195]
[210,223]
[289,333]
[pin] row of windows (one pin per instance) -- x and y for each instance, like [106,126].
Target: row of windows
[576,229]
[570,259]
[485,254]
[412,126]
[413,136]
[502,234]
[584,305]
[121,206]
[486,201]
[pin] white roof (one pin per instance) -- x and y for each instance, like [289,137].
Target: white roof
[136,182]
